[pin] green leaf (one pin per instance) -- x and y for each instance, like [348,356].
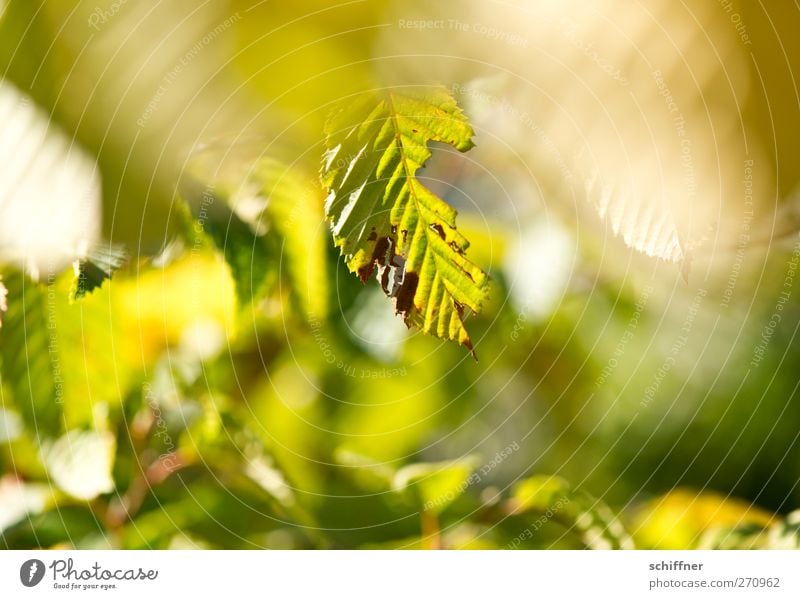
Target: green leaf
[383,216]
[786,534]
[294,211]
[438,484]
[245,253]
[30,357]
[369,473]
[781,534]
[746,536]
[591,519]
[91,273]
[60,361]
[266,219]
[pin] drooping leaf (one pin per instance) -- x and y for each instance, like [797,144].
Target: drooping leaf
[383,216]
[589,518]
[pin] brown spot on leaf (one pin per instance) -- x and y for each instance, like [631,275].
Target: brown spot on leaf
[439,229]
[468,275]
[378,257]
[365,272]
[469,346]
[381,248]
[404,298]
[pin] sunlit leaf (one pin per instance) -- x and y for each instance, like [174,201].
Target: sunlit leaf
[10,425]
[80,463]
[193,289]
[19,499]
[680,518]
[49,189]
[656,226]
[262,470]
[383,216]
[3,300]
[95,269]
[438,484]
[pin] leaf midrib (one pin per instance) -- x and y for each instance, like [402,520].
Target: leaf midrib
[411,191]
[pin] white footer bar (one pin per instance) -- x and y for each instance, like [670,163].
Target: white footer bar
[400,574]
